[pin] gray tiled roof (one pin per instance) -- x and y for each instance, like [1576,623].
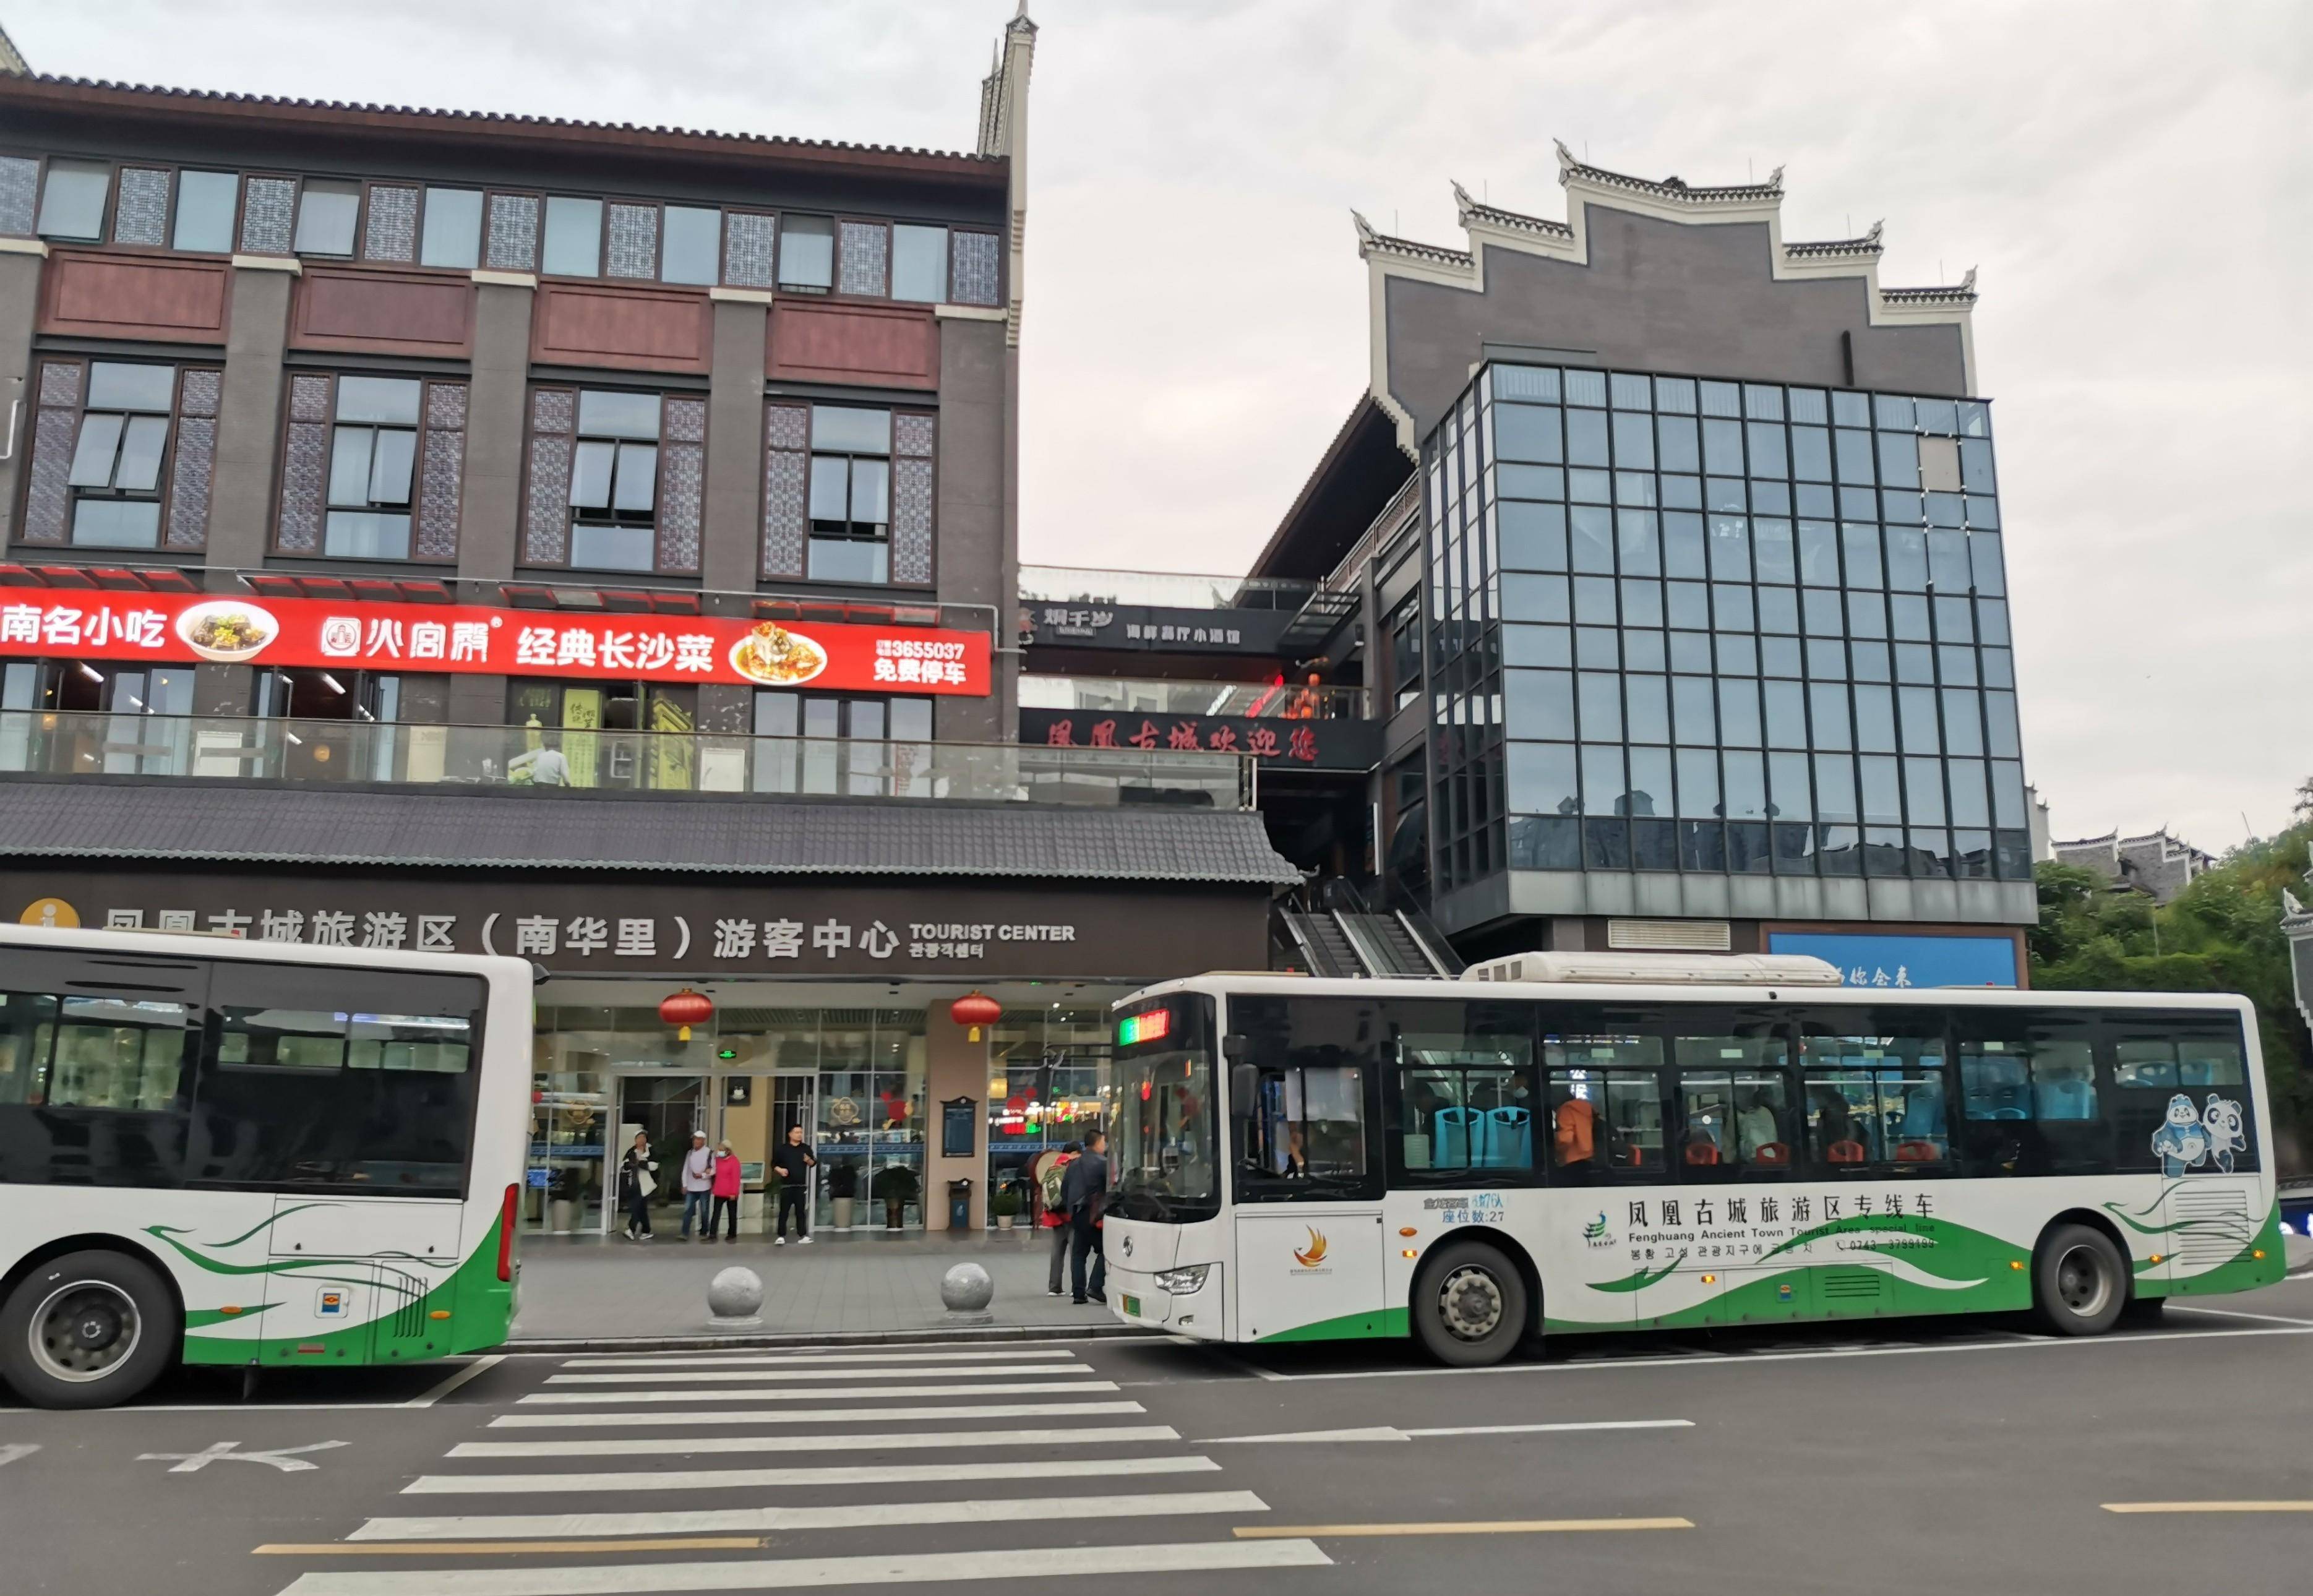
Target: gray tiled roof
[96,821]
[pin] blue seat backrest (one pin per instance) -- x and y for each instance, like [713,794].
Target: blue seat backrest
[1507,1140]
[1454,1129]
[1923,1112]
[2065,1098]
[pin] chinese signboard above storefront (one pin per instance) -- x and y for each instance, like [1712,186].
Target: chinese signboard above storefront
[735,928]
[461,639]
[1165,631]
[1314,745]
[1900,961]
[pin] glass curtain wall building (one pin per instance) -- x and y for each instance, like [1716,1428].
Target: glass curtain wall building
[1720,629]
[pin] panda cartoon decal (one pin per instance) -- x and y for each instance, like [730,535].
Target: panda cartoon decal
[2221,1120]
[2181,1141]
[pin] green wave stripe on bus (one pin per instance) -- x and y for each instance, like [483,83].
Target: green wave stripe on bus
[2245,1270]
[198,1316]
[1640,1280]
[1349,1327]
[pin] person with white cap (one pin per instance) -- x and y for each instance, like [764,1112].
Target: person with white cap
[698,1187]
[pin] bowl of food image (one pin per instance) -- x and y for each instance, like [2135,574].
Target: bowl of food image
[228,630]
[771,654]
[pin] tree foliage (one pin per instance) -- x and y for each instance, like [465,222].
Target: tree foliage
[2221,933]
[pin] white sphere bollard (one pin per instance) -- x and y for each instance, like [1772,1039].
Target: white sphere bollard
[967,1290]
[733,1299]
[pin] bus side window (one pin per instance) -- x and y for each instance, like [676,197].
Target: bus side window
[1735,1112]
[1605,1125]
[1463,1102]
[92,1076]
[1876,1090]
[2029,1103]
[2181,1101]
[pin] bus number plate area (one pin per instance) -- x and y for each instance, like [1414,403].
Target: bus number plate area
[1132,1306]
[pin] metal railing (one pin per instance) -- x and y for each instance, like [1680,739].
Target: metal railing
[227,749]
[1255,699]
[1166,590]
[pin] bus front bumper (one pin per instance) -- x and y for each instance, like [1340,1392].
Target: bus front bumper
[1185,1301]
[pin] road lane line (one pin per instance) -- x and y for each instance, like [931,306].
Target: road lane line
[481,1365]
[849,1515]
[1740,1360]
[865,1393]
[1391,1433]
[713,1376]
[714,1479]
[475,1549]
[2207,1506]
[2237,1313]
[809,1416]
[1605,1424]
[1498,1526]
[770,1574]
[896,1441]
[640,1360]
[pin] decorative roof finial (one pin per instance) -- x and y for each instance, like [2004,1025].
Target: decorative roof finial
[1365,234]
[1968,283]
[1775,178]
[1872,237]
[1566,161]
[1462,203]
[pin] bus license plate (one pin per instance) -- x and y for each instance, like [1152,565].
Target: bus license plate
[1132,1305]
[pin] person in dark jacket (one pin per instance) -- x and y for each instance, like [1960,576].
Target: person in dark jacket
[1084,1192]
[634,1184]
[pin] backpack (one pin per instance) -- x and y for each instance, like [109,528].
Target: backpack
[1053,1178]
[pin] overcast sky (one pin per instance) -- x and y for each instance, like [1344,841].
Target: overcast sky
[2132,180]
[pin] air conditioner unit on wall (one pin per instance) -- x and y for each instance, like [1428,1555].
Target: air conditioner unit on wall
[1683,936]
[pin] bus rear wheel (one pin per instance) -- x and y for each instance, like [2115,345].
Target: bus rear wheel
[2079,1283]
[1469,1305]
[88,1330]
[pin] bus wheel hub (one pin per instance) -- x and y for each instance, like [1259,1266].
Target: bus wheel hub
[1471,1303]
[85,1329]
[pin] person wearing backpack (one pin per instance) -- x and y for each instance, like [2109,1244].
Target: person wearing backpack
[1055,1215]
[1085,1191]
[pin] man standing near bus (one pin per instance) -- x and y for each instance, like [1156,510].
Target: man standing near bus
[794,1169]
[1083,1191]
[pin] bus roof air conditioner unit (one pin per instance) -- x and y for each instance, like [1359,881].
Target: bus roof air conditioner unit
[1660,969]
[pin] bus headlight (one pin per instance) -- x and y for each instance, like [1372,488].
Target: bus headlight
[1183,1281]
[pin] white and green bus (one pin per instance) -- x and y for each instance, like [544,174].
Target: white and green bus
[1597,1143]
[254,1153]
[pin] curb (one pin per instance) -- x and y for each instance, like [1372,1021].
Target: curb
[704,1342]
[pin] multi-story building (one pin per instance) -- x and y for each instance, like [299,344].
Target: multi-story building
[2156,864]
[585,541]
[1675,549]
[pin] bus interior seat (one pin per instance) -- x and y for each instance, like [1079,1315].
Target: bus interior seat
[1702,1150]
[1506,1140]
[1454,1129]
[1775,1154]
[1917,1151]
[2065,1099]
[1849,1151]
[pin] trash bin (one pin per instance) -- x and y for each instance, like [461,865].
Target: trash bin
[959,1205]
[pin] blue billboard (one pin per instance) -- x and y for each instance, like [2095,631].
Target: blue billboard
[1893,962]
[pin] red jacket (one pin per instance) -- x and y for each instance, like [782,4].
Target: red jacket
[726,1175]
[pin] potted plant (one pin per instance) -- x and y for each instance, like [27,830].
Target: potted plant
[895,1188]
[1005,1205]
[843,1188]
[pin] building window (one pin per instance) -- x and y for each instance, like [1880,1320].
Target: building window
[116,465]
[371,468]
[616,480]
[850,493]
[601,734]
[574,238]
[694,239]
[205,204]
[920,263]
[807,254]
[817,742]
[121,455]
[453,235]
[327,210]
[71,201]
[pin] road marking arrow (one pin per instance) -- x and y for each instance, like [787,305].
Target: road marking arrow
[12,1451]
[284,1457]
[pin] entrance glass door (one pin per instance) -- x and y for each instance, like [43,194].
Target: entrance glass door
[668,1108]
[757,1110]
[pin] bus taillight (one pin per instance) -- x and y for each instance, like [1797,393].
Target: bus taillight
[505,1232]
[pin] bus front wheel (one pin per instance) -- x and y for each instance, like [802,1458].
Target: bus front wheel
[88,1330]
[1469,1305]
[2079,1283]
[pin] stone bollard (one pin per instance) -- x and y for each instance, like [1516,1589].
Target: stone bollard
[967,1290]
[733,1298]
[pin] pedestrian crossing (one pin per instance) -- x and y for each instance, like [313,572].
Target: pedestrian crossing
[623,1474]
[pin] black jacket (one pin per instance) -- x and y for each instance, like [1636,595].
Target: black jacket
[627,1186]
[1083,1185]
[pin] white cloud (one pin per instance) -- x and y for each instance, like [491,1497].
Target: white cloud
[2129,179]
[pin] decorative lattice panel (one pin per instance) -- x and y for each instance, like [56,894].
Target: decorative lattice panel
[911,434]
[974,260]
[786,427]
[60,382]
[546,532]
[684,421]
[304,487]
[864,258]
[391,233]
[787,468]
[445,405]
[142,215]
[199,393]
[633,249]
[747,249]
[513,233]
[268,211]
[191,474]
[912,521]
[48,503]
[308,398]
[681,475]
[440,483]
[553,410]
[20,190]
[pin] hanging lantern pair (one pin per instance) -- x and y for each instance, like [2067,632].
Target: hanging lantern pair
[684,1009]
[974,1010]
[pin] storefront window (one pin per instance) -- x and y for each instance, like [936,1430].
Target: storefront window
[584,734]
[80,717]
[818,742]
[1048,1085]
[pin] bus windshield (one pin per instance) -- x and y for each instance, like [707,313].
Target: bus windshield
[1164,1146]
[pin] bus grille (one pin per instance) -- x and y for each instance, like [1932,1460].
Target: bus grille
[2212,1222]
[409,1318]
[1850,1285]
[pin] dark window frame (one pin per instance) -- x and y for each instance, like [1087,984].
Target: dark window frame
[428,382]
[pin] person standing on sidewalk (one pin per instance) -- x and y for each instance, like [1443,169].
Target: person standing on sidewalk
[1083,1189]
[725,1214]
[698,1187]
[794,1169]
[1055,1216]
[635,1184]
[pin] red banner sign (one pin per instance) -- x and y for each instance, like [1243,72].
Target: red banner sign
[463,638]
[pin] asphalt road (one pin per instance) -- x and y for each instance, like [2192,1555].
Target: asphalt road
[1920,1455]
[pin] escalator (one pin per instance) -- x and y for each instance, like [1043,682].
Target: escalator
[1339,935]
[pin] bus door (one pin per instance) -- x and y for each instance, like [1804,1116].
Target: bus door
[1736,1136]
[2183,1112]
[1308,1184]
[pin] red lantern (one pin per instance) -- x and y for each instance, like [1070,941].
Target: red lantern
[685,1008]
[975,1011]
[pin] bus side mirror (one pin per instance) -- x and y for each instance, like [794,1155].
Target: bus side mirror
[1237,1046]
[1245,1084]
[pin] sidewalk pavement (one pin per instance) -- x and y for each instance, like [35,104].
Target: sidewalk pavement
[865,1284]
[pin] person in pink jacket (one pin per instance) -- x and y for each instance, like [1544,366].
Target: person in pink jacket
[726,1194]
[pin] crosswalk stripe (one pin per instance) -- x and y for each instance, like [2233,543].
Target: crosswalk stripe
[710,1376]
[850,1515]
[809,1416]
[636,1360]
[765,1573]
[867,1393]
[716,1479]
[896,1441]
